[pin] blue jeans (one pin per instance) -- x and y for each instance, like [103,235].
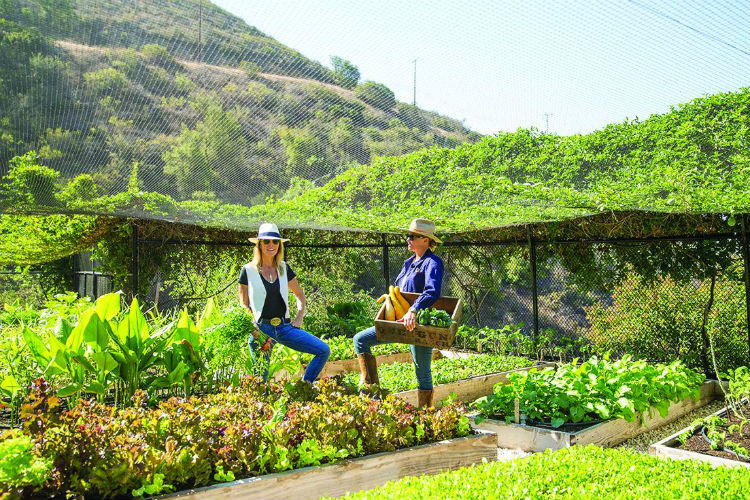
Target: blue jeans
[299,340]
[421,355]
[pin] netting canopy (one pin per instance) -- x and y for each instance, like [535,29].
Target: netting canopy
[181,111]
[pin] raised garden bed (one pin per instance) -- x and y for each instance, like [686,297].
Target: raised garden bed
[253,431]
[580,472]
[468,376]
[692,443]
[356,474]
[344,366]
[468,389]
[607,433]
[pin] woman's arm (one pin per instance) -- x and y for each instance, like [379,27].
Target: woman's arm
[245,301]
[433,281]
[296,289]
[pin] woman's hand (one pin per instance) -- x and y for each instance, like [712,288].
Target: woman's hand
[297,321]
[410,320]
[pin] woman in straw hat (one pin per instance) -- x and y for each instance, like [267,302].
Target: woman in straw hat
[422,273]
[264,286]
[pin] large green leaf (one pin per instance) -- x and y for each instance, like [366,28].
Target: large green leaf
[138,326]
[75,340]
[62,329]
[108,306]
[211,314]
[104,362]
[37,347]
[96,332]
[69,390]
[95,387]
[186,330]
[10,385]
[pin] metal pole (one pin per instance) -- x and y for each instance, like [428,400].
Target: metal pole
[134,260]
[746,261]
[534,291]
[386,263]
[414,99]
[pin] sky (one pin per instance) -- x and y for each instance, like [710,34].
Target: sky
[566,67]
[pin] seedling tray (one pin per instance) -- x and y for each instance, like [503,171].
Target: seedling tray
[424,335]
[608,433]
[353,475]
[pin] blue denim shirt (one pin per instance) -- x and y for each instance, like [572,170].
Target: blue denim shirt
[424,276]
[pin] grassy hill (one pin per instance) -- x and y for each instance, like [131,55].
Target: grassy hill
[106,89]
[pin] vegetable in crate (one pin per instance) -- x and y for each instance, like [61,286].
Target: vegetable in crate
[434,317]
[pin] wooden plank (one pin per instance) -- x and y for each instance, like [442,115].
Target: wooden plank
[467,389]
[610,433]
[666,448]
[353,475]
[524,437]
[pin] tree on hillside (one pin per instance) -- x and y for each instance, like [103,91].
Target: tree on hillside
[376,94]
[346,73]
[205,157]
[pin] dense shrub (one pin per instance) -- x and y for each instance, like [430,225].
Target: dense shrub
[662,321]
[376,94]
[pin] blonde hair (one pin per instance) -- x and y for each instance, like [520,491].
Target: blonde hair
[278,259]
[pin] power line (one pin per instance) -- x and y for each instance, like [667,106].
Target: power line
[701,33]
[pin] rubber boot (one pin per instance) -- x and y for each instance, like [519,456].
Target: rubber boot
[368,367]
[425,398]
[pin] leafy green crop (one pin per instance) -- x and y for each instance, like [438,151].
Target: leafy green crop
[434,317]
[576,473]
[596,389]
[254,429]
[398,377]
[19,465]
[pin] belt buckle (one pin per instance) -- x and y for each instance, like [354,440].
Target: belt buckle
[275,321]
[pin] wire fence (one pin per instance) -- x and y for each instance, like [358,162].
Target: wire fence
[659,299]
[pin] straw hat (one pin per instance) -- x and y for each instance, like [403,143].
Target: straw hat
[423,227]
[268,231]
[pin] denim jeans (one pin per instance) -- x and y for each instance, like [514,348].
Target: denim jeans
[421,355]
[299,340]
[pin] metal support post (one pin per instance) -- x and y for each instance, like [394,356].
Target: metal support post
[534,290]
[746,261]
[386,262]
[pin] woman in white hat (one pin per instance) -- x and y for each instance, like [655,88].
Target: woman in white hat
[422,273]
[264,286]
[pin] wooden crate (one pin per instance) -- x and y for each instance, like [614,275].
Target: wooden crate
[667,448]
[429,336]
[609,433]
[353,475]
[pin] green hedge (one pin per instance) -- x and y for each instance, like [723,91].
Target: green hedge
[575,473]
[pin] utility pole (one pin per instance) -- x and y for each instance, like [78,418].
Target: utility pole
[414,99]
[546,121]
[200,28]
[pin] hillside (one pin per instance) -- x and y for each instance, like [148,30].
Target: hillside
[106,89]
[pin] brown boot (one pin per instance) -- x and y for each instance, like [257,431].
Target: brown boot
[368,367]
[425,398]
